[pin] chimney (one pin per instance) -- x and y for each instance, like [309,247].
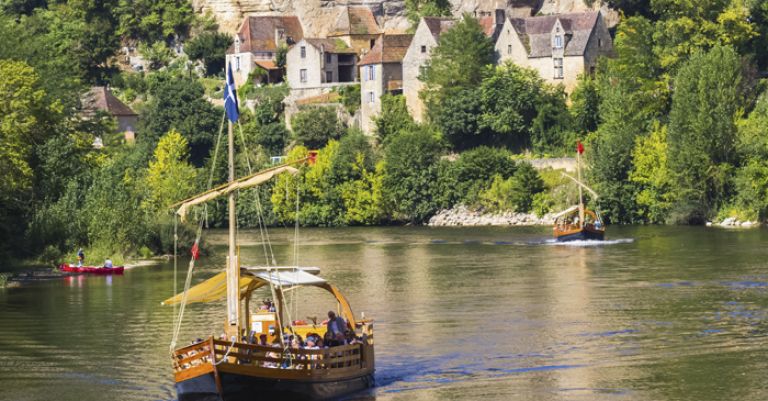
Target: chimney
[499,16]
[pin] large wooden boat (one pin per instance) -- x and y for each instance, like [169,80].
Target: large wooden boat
[66,267]
[577,222]
[258,355]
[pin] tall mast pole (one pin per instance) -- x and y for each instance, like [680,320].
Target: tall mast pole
[233,267]
[581,197]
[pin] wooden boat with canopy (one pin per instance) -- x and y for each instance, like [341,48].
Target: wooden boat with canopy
[258,357]
[577,222]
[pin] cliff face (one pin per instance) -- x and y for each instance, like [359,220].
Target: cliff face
[318,16]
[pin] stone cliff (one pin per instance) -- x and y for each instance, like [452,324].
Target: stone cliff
[318,16]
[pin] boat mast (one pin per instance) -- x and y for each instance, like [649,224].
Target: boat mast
[581,196]
[233,267]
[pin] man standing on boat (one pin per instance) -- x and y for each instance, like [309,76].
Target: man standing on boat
[336,326]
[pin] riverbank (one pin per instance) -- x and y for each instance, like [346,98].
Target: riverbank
[463,216]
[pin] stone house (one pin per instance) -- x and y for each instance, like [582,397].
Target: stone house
[256,44]
[357,27]
[99,99]
[313,63]
[381,71]
[424,40]
[560,47]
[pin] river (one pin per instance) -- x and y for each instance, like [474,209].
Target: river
[657,313]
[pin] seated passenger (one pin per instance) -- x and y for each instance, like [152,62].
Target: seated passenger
[336,326]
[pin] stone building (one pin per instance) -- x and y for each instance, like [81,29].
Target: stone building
[256,44]
[357,27]
[381,71]
[99,99]
[314,63]
[424,39]
[560,47]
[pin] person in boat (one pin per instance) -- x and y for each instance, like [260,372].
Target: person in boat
[80,257]
[336,326]
[108,263]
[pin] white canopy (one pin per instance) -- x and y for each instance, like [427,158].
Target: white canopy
[288,278]
[567,211]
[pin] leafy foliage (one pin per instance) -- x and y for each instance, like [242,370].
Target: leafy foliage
[210,48]
[415,9]
[151,21]
[170,178]
[314,126]
[394,117]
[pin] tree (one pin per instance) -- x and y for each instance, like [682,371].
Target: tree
[178,103]
[157,54]
[210,48]
[515,193]
[652,177]
[585,103]
[150,21]
[415,9]
[552,129]
[316,125]
[410,175]
[170,177]
[394,117]
[702,131]
[475,169]
[458,63]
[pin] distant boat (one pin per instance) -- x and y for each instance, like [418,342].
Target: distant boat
[577,222]
[66,267]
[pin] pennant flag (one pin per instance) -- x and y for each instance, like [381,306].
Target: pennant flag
[230,97]
[579,147]
[195,251]
[312,157]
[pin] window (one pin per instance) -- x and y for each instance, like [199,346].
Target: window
[558,42]
[599,42]
[373,42]
[558,68]
[237,63]
[371,72]
[329,76]
[303,52]
[303,75]
[509,49]
[328,58]
[371,98]
[423,49]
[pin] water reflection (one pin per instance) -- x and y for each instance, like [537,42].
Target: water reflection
[461,314]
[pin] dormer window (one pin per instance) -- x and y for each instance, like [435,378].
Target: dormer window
[558,42]
[303,52]
[423,49]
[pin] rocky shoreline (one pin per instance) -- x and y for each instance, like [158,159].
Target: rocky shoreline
[463,216]
[732,222]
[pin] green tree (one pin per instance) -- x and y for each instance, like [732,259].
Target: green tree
[458,63]
[210,48]
[585,103]
[394,117]
[170,177]
[178,103]
[702,131]
[516,193]
[474,170]
[314,126]
[652,177]
[157,54]
[150,21]
[415,9]
[552,129]
[410,175]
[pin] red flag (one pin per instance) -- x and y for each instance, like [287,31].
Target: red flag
[312,157]
[579,147]
[195,251]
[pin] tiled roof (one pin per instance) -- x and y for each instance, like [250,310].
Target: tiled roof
[536,32]
[387,49]
[355,21]
[331,45]
[257,34]
[266,64]
[100,98]
[438,25]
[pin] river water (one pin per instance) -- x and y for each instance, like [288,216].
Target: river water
[657,313]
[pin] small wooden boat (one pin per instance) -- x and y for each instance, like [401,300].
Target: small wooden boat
[577,222]
[259,356]
[66,267]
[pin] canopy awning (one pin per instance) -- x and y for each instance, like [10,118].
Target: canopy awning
[567,211]
[251,278]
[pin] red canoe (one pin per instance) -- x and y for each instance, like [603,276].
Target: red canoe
[66,267]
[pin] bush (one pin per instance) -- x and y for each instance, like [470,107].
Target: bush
[314,126]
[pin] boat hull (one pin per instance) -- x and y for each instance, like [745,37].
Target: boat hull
[581,235]
[91,269]
[239,387]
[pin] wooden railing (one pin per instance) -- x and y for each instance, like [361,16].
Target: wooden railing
[344,356]
[193,355]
